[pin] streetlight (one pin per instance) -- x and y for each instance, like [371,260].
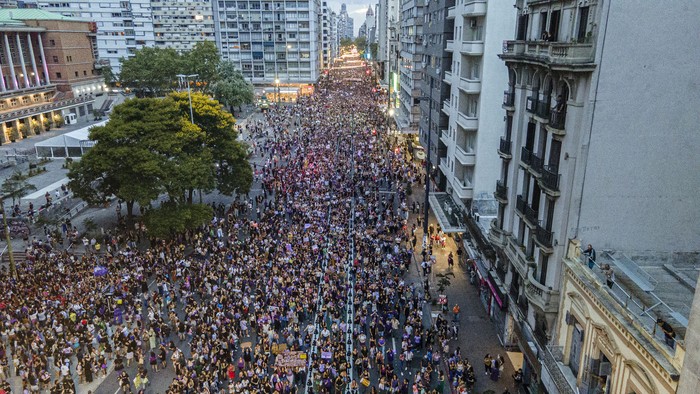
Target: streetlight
[186,78]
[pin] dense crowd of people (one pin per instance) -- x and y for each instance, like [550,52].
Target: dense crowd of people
[300,286]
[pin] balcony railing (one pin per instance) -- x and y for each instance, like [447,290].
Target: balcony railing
[501,190]
[530,215]
[520,204]
[508,98]
[525,156]
[504,146]
[551,356]
[536,163]
[543,236]
[543,110]
[557,119]
[544,297]
[554,53]
[531,105]
[550,178]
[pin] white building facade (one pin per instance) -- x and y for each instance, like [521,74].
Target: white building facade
[182,24]
[123,27]
[271,41]
[476,79]
[595,150]
[410,65]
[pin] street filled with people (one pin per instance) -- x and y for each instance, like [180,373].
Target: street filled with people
[300,287]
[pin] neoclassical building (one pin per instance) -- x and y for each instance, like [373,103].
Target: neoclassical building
[47,70]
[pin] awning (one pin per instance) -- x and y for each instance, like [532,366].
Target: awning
[448,213]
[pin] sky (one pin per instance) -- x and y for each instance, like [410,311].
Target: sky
[356,9]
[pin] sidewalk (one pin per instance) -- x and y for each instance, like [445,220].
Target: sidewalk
[477,334]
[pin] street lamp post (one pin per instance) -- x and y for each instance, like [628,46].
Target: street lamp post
[186,79]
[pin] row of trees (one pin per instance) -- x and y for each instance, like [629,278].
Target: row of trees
[150,150]
[152,72]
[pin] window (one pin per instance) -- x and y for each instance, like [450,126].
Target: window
[69,59]
[58,75]
[52,43]
[76,74]
[84,72]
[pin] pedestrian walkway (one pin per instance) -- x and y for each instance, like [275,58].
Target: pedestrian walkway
[477,334]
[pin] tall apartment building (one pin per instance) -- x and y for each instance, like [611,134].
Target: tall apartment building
[437,32]
[476,78]
[388,25]
[181,24]
[47,70]
[271,41]
[326,36]
[346,25]
[370,25]
[333,39]
[598,149]
[123,26]
[410,65]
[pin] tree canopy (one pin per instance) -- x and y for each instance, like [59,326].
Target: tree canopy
[149,148]
[232,90]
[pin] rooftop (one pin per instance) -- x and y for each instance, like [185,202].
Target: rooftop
[16,15]
[652,285]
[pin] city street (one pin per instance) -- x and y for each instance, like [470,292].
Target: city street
[307,284]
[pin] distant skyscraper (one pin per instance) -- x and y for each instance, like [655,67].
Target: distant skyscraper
[346,25]
[370,25]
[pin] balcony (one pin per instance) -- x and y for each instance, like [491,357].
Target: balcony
[464,189]
[557,121]
[445,138]
[536,164]
[525,156]
[496,235]
[501,192]
[450,47]
[531,105]
[509,100]
[544,298]
[557,55]
[444,168]
[544,238]
[474,8]
[451,13]
[472,48]
[448,77]
[542,111]
[471,86]
[530,216]
[549,181]
[467,123]
[504,149]
[464,158]
[446,107]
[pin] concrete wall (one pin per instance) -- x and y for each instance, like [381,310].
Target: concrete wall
[642,182]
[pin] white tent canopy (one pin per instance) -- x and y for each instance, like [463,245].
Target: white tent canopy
[72,144]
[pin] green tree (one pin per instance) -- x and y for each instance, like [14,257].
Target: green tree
[346,42]
[374,50]
[151,71]
[16,188]
[218,138]
[170,218]
[232,90]
[204,61]
[132,155]
[109,77]
[361,43]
